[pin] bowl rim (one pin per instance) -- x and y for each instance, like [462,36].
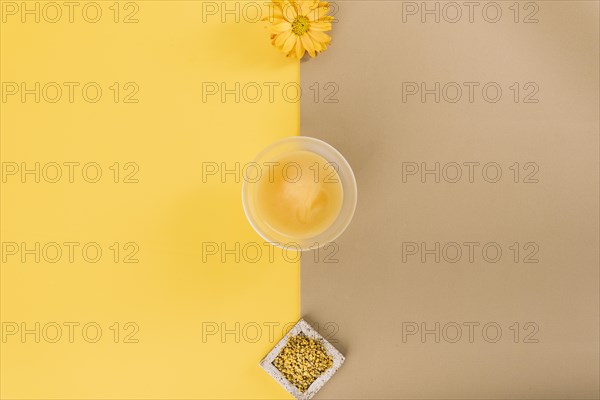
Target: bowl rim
[353,194]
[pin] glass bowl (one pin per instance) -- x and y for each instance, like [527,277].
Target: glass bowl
[279,150]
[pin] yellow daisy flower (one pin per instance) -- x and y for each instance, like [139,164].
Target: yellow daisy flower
[299,26]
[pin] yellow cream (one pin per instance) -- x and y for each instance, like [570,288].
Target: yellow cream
[300,196]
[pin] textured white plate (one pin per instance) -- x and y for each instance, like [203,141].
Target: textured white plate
[302,327]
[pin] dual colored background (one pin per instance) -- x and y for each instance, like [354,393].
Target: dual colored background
[201,323]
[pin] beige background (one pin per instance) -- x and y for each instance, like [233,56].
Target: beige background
[371,292]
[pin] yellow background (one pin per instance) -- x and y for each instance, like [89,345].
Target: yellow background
[169,213]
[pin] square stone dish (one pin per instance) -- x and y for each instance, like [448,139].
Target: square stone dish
[302,328]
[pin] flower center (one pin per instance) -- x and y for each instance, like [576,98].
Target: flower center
[300,25]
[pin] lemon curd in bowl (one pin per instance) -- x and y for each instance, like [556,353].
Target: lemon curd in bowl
[299,192]
[302,198]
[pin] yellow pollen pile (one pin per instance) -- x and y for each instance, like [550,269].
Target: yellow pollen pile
[303,360]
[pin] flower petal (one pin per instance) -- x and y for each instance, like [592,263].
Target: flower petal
[274,20]
[319,36]
[289,43]
[305,6]
[299,49]
[289,11]
[281,27]
[320,26]
[319,47]
[308,45]
[281,39]
[318,13]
